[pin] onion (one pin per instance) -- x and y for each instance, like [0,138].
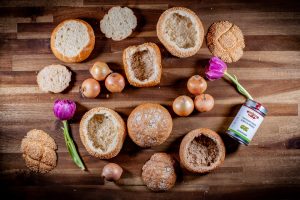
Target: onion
[204,102]
[196,85]
[183,105]
[100,71]
[115,82]
[112,172]
[90,88]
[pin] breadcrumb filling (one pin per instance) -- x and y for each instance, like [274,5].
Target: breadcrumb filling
[142,65]
[181,31]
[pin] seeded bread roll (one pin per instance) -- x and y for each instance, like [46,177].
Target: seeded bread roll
[149,125]
[72,40]
[201,151]
[180,31]
[102,132]
[54,78]
[159,172]
[118,23]
[39,151]
[142,65]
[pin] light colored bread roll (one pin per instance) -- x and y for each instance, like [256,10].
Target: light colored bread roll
[180,31]
[149,125]
[118,23]
[54,78]
[201,151]
[72,40]
[102,132]
[142,65]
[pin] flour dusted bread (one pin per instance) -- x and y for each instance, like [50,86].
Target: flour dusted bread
[102,132]
[118,23]
[201,151]
[149,125]
[39,151]
[180,31]
[72,40]
[142,65]
[54,78]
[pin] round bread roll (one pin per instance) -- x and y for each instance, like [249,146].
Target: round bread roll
[180,31]
[158,173]
[72,40]
[226,41]
[201,151]
[54,78]
[149,125]
[39,151]
[102,132]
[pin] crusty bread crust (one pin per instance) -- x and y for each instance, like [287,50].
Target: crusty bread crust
[121,133]
[149,83]
[84,54]
[185,143]
[171,48]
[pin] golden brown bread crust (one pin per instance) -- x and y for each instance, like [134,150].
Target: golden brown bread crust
[84,54]
[226,41]
[158,173]
[149,125]
[121,133]
[188,138]
[169,47]
[127,68]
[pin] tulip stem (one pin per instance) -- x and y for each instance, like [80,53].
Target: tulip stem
[240,88]
[71,146]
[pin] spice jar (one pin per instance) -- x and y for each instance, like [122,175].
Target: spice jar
[247,121]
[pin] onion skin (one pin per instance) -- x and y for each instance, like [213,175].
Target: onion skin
[115,82]
[100,71]
[112,172]
[196,85]
[183,106]
[90,88]
[204,102]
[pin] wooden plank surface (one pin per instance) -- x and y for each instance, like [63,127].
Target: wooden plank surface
[270,69]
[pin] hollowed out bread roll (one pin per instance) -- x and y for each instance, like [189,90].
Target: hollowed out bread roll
[181,31]
[142,65]
[72,40]
[149,125]
[102,132]
[39,151]
[158,173]
[54,78]
[226,41]
[201,150]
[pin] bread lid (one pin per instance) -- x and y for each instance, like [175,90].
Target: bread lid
[102,131]
[202,150]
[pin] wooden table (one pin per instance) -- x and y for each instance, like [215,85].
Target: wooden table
[270,70]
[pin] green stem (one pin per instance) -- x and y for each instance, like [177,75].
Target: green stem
[71,146]
[240,88]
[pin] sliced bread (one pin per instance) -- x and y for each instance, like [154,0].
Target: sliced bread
[142,65]
[54,78]
[118,23]
[102,132]
[180,31]
[72,40]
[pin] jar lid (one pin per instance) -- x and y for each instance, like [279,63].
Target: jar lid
[256,106]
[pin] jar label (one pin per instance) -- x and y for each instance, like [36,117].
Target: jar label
[246,123]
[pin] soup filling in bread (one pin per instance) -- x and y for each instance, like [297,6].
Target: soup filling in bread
[142,64]
[202,151]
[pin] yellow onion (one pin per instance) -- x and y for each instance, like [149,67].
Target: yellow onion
[90,88]
[204,102]
[115,82]
[196,85]
[112,172]
[100,71]
[183,105]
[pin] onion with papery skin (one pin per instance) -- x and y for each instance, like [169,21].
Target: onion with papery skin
[115,82]
[204,102]
[183,105]
[112,172]
[196,85]
[90,88]
[100,71]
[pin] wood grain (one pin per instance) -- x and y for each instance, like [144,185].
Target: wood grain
[266,169]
